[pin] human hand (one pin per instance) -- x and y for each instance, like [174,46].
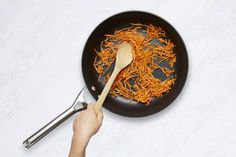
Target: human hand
[87,123]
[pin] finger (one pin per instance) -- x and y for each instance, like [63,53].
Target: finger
[100,116]
[90,107]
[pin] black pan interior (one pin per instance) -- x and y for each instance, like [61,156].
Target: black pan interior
[119,105]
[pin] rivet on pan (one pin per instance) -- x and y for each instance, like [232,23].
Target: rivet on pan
[93,88]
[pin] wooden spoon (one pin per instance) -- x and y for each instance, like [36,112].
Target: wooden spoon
[124,57]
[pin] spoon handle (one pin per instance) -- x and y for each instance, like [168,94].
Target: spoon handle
[106,90]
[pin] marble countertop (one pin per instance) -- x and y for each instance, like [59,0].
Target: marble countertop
[41,44]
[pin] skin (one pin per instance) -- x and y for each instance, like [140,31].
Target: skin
[86,124]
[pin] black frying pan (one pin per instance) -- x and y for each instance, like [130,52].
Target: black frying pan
[119,21]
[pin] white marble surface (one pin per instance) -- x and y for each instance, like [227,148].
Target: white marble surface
[41,44]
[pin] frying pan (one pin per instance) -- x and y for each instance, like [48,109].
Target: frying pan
[120,105]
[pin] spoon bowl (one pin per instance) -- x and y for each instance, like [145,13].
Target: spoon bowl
[124,55]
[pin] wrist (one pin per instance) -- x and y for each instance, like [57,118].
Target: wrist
[78,145]
[80,141]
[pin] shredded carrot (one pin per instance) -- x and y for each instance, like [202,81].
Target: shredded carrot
[151,48]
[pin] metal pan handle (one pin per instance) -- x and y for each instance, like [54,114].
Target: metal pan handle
[76,107]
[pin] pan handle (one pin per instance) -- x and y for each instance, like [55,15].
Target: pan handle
[53,124]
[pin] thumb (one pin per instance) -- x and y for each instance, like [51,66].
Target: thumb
[100,116]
